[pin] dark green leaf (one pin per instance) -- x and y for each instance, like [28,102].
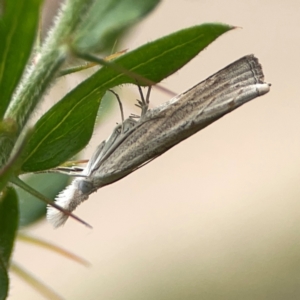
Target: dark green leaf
[31,208]
[7,168]
[3,281]
[161,58]
[154,61]
[108,103]
[67,127]
[9,217]
[106,20]
[63,131]
[13,164]
[18,28]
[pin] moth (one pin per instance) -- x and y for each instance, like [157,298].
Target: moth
[133,143]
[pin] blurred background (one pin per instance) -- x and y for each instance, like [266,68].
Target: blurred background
[216,217]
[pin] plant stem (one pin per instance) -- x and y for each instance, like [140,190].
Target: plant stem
[42,72]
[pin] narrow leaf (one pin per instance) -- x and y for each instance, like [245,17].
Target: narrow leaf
[9,217]
[17,32]
[156,60]
[35,283]
[64,130]
[68,126]
[106,20]
[44,244]
[7,167]
[31,208]
[3,281]
[14,162]
[18,182]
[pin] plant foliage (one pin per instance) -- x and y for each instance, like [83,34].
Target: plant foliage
[83,28]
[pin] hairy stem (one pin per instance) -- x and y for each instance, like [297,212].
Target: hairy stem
[41,73]
[43,70]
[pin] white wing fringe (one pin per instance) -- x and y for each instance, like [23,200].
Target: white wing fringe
[67,199]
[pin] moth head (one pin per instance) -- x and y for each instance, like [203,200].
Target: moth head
[77,192]
[85,186]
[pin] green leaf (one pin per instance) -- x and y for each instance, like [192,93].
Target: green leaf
[106,20]
[156,60]
[7,168]
[67,127]
[3,281]
[13,164]
[9,217]
[63,131]
[18,28]
[31,208]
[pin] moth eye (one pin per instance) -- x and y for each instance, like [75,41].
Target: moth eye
[85,186]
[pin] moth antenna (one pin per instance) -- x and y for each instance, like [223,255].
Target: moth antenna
[121,106]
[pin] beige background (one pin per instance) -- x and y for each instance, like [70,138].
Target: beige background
[216,217]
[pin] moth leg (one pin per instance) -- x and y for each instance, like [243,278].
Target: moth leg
[121,108]
[134,116]
[143,104]
[71,171]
